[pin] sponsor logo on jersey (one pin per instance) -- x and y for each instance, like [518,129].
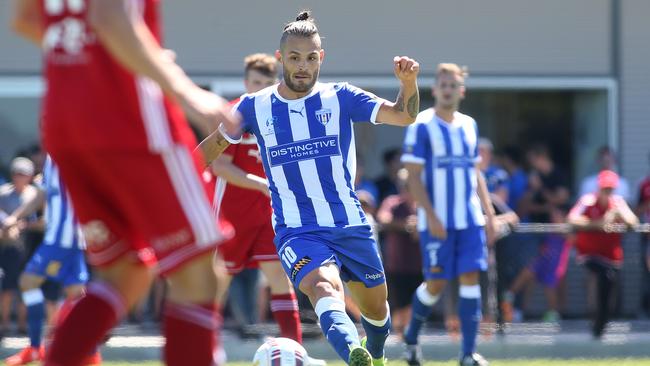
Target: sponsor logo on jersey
[455,161]
[303,150]
[374,276]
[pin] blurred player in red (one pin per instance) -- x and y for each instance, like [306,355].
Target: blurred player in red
[242,197]
[113,122]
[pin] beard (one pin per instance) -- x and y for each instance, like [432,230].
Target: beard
[299,87]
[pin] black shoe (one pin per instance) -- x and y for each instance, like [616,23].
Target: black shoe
[413,355]
[598,328]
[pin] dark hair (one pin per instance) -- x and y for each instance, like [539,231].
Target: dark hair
[392,154]
[513,153]
[265,64]
[303,26]
[604,150]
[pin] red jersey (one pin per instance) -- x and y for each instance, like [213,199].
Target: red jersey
[242,205]
[92,102]
[605,246]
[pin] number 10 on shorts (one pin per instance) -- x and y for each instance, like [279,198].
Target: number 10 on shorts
[288,256]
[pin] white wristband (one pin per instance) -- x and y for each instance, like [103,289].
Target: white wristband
[228,138]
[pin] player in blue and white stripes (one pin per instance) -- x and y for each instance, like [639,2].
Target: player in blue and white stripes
[60,256]
[305,133]
[441,156]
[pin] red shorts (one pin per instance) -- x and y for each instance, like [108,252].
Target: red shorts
[251,245]
[151,206]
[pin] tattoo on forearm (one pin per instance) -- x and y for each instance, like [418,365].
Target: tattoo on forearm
[212,148]
[413,105]
[220,145]
[399,103]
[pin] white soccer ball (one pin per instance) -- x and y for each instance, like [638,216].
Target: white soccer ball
[281,352]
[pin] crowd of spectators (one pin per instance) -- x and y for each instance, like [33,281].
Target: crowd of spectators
[529,183]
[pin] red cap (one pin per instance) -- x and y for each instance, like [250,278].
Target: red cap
[607,179]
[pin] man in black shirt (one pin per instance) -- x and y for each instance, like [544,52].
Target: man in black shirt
[545,201]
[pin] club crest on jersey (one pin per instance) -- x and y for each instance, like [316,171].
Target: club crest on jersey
[324,115]
[270,125]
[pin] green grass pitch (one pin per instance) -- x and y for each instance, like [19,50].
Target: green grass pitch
[518,362]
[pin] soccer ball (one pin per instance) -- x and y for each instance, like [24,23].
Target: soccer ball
[281,352]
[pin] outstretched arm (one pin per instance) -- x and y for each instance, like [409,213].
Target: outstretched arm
[403,111]
[130,42]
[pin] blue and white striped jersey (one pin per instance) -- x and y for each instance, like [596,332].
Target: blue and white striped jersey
[61,228]
[308,152]
[449,153]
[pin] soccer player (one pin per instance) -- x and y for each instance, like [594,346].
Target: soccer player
[599,250]
[304,131]
[441,155]
[114,125]
[242,189]
[60,258]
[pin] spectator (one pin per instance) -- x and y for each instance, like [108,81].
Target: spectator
[606,159]
[387,183]
[643,211]
[397,216]
[544,202]
[500,259]
[599,250]
[495,177]
[547,186]
[362,183]
[510,160]
[499,254]
[512,251]
[12,251]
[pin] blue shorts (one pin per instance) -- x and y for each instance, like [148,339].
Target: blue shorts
[463,251]
[63,265]
[353,249]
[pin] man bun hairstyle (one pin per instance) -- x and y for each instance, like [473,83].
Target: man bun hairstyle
[303,26]
[303,15]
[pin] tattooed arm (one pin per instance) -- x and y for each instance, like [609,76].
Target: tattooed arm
[212,146]
[404,110]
